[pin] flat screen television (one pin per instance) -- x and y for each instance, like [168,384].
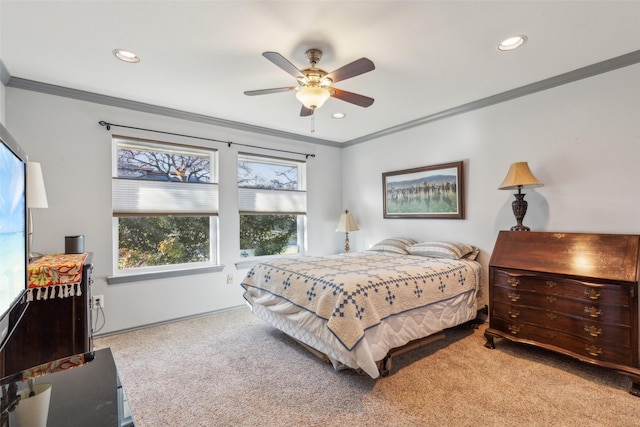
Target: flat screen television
[14,253]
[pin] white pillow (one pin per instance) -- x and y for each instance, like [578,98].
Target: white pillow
[397,245]
[450,250]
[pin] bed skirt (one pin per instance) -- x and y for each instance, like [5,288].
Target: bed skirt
[372,352]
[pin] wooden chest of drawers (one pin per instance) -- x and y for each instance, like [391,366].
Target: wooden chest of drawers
[573,293]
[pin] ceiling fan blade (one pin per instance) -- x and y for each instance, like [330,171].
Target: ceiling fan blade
[283,63]
[268,91]
[355,68]
[353,98]
[305,111]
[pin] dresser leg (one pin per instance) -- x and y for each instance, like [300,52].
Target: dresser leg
[489,344]
[635,389]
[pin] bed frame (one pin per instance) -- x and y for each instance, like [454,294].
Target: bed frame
[386,364]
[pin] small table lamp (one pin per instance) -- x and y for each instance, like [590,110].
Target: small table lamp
[36,198]
[347,224]
[519,176]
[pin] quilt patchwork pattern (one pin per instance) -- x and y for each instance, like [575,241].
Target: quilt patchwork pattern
[356,291]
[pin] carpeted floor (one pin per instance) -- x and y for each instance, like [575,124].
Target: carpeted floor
[231,369]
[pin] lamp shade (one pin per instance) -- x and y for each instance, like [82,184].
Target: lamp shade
[347,223]
[519,175]
[312,97]
[36,194]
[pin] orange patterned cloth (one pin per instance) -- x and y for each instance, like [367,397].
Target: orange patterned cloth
[55,275]
[53,367]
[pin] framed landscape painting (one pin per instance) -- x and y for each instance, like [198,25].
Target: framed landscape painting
[427,192]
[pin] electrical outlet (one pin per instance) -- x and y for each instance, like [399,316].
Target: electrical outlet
[229,279]
[97,301]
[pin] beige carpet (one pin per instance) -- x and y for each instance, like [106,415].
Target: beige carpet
[231,369]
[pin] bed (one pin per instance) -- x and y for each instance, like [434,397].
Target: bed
[358,310]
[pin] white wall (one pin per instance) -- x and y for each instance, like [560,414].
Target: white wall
[75,152]
[582,140]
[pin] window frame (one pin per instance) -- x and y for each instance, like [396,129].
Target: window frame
[167,270]
[296,209]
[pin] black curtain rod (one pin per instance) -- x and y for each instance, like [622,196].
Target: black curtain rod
[108,126]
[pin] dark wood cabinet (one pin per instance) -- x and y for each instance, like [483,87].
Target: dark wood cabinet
[573,293]
[53,328]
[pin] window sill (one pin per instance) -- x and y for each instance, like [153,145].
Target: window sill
[247,264]
[116,280]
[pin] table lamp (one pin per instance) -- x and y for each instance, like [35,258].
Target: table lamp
[345,225]
[518,176]
[36,198]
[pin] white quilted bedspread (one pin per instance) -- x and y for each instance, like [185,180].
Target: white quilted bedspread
[356,291]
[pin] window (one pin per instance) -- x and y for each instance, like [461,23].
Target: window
[165,206]
[272,204]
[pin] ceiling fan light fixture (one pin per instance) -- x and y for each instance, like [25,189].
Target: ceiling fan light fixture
[326,82]
[312,97]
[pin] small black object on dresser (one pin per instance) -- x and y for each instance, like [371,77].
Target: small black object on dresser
[573,293]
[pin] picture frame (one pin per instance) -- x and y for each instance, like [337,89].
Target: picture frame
[435,191]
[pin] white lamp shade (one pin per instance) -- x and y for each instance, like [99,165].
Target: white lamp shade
[518,175]
[347,223]
[312,97]
[36,194]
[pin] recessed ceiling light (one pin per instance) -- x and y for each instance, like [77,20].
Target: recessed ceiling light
[512,43]
[338,115]
[126,56]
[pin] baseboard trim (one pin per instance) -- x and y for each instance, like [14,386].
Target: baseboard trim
[166,322]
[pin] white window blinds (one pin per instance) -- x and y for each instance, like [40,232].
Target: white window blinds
[151,178]
[137,197]
[268,185]
[254,200]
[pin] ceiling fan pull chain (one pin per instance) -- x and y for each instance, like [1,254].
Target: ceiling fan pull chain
[313,123]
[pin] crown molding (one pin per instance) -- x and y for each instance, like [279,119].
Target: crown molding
[5,76]
[32,85]
[552,82]
[562,79]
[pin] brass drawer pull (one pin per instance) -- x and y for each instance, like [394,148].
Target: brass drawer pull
[551,283]
[593,350]
[514,329]
[514,313]
[552,316]
[593,331]
[592,311]
[514,282]
[552,299]
[592,293]
[513,296]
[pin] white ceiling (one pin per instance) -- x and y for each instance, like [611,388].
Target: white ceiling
[200,56]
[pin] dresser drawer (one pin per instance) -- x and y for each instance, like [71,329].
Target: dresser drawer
[588,348]
[619,315]
[582,328]
[614,294]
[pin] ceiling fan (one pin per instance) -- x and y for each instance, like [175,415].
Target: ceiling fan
[314,84]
